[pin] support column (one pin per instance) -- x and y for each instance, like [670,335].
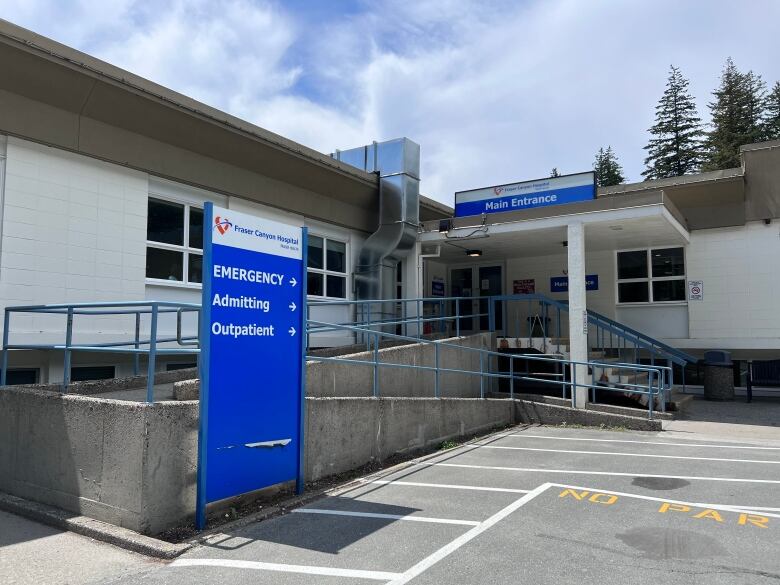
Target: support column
[578,320]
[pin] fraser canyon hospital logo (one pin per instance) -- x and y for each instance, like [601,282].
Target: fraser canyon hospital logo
[222,224]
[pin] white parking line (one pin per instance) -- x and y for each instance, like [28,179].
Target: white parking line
[385,516]
[608,473]
[303,569]
[711,446]
[451,547]
[450,486]
[621,454]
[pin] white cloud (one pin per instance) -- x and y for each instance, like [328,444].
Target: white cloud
[493,91]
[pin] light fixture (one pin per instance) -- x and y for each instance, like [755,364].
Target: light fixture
[473,253]
[444,225]
[565,243]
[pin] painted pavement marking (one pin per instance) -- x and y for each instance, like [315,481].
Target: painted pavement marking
[709,445]
[385,516]
[449,486]
[606,473]
[622,454]
[302,569]
[454,545]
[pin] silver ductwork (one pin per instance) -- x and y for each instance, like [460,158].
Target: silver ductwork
[398,164]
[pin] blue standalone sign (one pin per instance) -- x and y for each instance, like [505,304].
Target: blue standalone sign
[251,366]
[561,283]
[526,195]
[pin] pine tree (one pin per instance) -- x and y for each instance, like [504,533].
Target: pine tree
[608,169]
[737,114]
[772,114]
[554,173]
[675,147]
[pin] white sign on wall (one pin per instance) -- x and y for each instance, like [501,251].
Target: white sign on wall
[695,290]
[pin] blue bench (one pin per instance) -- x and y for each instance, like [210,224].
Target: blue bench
[762,373]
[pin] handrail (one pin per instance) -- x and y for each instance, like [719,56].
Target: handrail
[659,377]
[135,308]
[645,340]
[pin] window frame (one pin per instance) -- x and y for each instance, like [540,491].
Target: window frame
[185,249]
[649,279]
[325,272]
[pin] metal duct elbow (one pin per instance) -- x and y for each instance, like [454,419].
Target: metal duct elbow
[398,164]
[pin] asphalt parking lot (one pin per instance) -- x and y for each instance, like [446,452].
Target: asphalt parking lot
[529,505]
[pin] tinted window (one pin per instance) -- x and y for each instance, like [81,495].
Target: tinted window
[164,264]
[668,290]
[633,292]
[337,256]
[315,253]
[337,286]
[314,284]
[668,262]
[196,229]
[81,373]
[195,268]
[165,222]
[632,264]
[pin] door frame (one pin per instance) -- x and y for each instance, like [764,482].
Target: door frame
[475,266]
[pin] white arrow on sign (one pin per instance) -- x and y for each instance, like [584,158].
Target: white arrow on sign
[293,281]
[292,306]
[291,331]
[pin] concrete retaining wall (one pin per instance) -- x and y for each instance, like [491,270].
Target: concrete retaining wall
[345,433]
[333,379]
[134,464]
[127,463]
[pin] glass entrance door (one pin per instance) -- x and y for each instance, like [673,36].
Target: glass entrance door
[462,280]
[477,281]
[491,283]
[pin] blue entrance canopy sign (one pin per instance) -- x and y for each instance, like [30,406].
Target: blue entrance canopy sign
[561,283]
[251,363]
[526,195]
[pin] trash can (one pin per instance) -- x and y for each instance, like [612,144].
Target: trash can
[718,376]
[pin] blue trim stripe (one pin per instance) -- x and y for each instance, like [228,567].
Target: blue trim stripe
[519,202]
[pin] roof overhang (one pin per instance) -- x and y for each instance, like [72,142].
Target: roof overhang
[632,221]
[55,95]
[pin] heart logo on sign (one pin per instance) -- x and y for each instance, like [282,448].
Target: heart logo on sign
[222,225]
[498,190]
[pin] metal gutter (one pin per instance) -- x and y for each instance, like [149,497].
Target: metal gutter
[29,41]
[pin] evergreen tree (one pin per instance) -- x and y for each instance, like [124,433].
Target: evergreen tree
[675,147]
[737,116]
[772,114]
[554,173]
[608,169]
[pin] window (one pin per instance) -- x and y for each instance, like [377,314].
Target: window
[174,242]
[21,376]
[83,373]
[651,276]
[327,268]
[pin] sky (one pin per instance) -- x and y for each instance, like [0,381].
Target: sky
[494,92]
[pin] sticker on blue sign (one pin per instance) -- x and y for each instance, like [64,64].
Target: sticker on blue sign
[251,363]
[526,194]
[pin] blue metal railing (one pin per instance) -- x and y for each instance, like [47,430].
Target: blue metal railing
[187,344]
[658,384]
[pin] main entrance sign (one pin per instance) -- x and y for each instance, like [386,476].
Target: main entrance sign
[526,195]
[251,366]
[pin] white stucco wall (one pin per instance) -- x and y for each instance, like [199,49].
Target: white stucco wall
[73,230]
[740,270]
